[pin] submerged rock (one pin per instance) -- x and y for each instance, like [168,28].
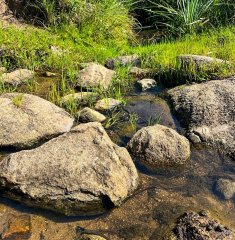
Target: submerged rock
[226,188]
[107,104]
[79,172]
[147,83]
[132,60]
[17,77]
[95,75]
[201,227]
[27,119]
[159,145]
[207,111]
[17,227]
[89,115]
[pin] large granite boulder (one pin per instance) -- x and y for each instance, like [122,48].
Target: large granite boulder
[95,75]
[207,112]
[79,172]
[26,120]
[159,145]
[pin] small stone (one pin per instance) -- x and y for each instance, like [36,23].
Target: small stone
[107,104]
[50,74]
[95,75]
[226,188]
[147,83]
[17,77]
[89,115]
[78,97]
[132,60]
[18,227]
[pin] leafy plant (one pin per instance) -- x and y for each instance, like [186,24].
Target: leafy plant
[133,118]
[18,100]
[156,119]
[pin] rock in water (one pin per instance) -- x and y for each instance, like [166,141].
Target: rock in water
[95,75]
[159,145]
[193,226]
[78,173]
[17,77]
[27,119]
[207,111]
[226,188]
[132,60]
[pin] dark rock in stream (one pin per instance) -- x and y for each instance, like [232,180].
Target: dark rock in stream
[26,120]
[159,145]
[81,172]
[193,226]
[207,112]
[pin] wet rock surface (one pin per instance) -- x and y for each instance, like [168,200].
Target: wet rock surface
[159,145]
[79,172]
[132,60]
[201,227]
[26,120]
[226,188]
[95,75]
[17,77]
[207,111]
[140,73]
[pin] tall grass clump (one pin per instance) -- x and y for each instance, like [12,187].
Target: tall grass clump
[187,16]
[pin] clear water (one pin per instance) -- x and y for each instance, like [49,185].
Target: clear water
[162,197]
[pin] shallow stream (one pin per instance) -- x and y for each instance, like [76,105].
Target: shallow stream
[162,197]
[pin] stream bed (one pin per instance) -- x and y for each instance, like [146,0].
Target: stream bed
[152,211]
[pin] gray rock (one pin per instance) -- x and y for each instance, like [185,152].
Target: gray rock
[17,77]
[159,145]
[95,75]
[79,172]
[201,227]
[200,62]
[89,115]
[207,112]
[226,188]
[78,97]
[147,83]
[27,119]
[132,60]
[107,104]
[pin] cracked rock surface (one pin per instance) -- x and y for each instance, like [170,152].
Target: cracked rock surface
[26,120]
[79,172]
[207,111]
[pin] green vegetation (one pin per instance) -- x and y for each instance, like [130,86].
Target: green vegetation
[18,100]
[80,31]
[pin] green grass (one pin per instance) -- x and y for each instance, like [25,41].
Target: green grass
[30,48]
